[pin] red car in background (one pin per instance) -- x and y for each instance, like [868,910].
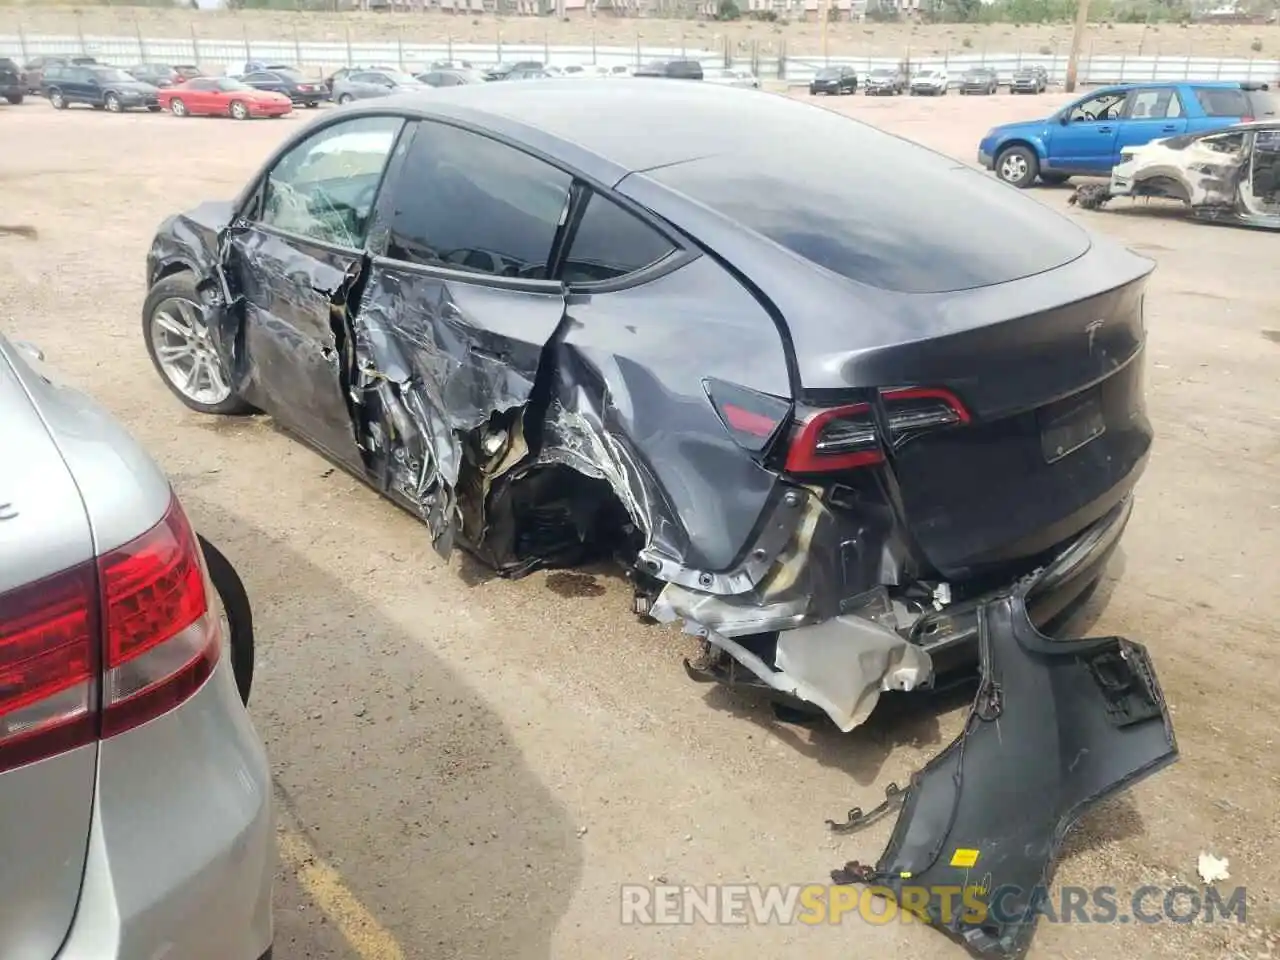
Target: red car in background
[222,97]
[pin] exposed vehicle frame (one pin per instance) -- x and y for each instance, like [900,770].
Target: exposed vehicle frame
[1227,175]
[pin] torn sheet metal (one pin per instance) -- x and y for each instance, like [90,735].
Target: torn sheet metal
[1055,727]
[840,665]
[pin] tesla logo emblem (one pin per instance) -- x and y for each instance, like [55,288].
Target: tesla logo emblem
[8,511]
[1092,328]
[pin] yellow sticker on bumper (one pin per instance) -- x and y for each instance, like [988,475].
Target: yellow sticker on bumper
[964,858]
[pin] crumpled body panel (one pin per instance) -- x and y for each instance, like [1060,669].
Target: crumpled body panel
[1056,726]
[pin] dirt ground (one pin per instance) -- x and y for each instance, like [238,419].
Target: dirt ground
[849,39]
[479,764]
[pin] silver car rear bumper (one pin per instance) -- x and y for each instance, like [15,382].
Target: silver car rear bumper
[181,849]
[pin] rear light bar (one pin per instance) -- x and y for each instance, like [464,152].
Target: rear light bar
[105,646]
[848,437]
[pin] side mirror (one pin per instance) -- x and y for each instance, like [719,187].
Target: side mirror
[1064,118]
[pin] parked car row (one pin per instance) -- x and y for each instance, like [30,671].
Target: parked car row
[1089,136]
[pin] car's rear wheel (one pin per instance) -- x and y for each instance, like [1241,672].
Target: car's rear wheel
[112,103]
[57,100]
[14,98]
[181,347]
[1017,166]
[236,615]
[344,99]
[178,108]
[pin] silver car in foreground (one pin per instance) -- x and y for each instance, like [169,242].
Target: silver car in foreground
[135,798]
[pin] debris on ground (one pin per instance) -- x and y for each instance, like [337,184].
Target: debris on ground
[1212,869]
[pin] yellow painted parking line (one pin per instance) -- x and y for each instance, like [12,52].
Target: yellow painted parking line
[368,938]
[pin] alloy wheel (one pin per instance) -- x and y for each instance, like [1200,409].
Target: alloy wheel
[186,353]
[178,107]
[113,103]
[1013,167]
[239,111]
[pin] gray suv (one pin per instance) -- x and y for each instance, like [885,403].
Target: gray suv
[364,84]
[135,798]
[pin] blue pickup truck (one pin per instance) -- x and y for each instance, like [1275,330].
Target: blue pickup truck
[1085,137]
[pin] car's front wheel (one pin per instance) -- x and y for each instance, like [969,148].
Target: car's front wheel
[14,98]
[345,99]
[177,107]
[112,103]
[175,327]
[1017,166]
[239,111]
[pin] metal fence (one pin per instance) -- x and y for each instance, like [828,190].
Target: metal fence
[768,64]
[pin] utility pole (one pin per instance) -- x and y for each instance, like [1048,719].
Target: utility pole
[1077,41]
[824,11]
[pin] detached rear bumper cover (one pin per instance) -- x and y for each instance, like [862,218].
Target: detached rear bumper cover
[1056,726]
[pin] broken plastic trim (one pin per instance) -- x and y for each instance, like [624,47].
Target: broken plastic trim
[1056,726]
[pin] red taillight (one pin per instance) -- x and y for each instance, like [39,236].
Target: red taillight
[752,418]
[125,639]
[848,437]
[161,638]
[48,666]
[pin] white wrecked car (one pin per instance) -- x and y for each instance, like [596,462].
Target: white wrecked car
[1231,174]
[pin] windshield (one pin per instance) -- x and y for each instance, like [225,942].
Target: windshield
[882,72]
[828,73]
[400,79]
[227,84]
[112,75]
[976,74]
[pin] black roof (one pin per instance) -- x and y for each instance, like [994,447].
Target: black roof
[608,129]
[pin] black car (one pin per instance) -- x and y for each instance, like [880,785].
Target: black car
[450,78]
[834,80]
[103,88]
[159,75]
[1029,80]
[671,69]
[12,85]
[33,73]
[295,86]
[979,81]
[554,341]
[503,71]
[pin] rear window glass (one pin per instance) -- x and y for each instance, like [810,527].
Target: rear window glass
[902,218]
[1223,102]
[1262,106]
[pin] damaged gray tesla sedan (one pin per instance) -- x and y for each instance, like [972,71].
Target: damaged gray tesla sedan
[820,421]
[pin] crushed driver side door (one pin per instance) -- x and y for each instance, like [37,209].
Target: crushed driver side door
[296,259]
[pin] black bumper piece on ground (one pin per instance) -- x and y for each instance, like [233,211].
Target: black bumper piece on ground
[1056,726]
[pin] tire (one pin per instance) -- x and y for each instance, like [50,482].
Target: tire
[1017,166]
[14,98]
[238,110]
[178,108]
[312,104]
[171,292]
[235,605]
[112,103]
[57,100]
[343,100]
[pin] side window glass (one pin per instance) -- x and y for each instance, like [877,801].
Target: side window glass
[1146,105]
[1222,102]
[610,242]
[468,202]
[326,186]
[1105,106]
[1174,108]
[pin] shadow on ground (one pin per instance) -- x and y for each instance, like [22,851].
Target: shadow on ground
[400,777]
